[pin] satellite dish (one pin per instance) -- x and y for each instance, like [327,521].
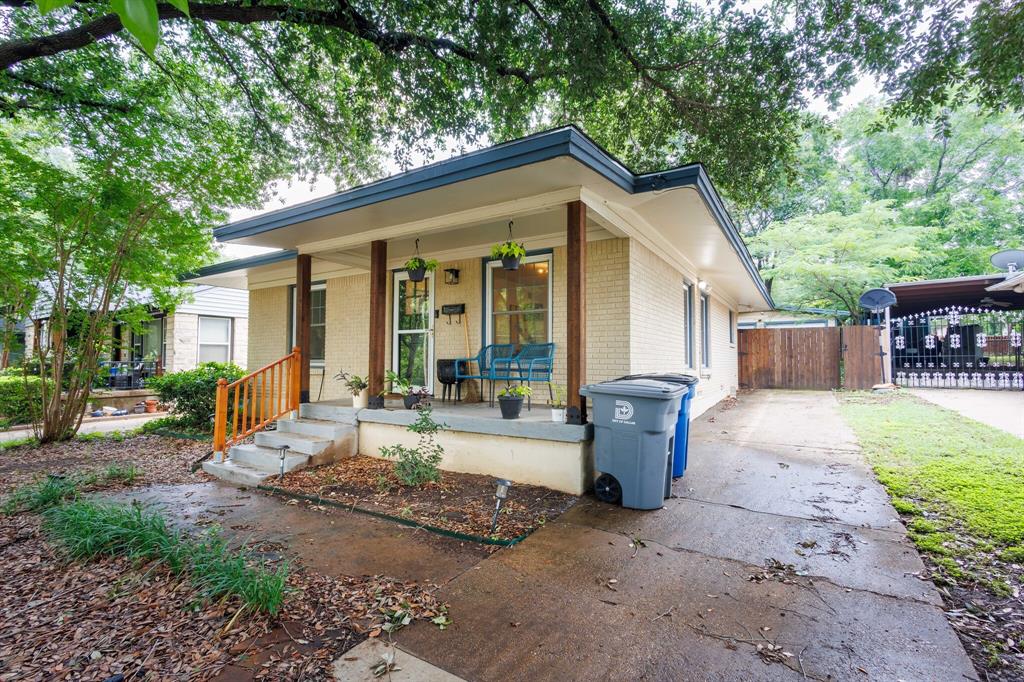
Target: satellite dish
[877,300]
[1010,260]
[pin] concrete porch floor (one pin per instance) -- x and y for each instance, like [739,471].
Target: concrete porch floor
[777,477]
[540,412]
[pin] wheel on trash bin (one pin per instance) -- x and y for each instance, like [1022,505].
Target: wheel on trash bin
[608,489]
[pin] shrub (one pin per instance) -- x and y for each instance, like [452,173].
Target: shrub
[193,392]
[418,465]
[17,396]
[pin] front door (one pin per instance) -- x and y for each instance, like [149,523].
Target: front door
[412,345]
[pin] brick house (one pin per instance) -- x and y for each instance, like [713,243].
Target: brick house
[624,273]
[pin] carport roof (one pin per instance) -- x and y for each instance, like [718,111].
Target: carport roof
[924,295]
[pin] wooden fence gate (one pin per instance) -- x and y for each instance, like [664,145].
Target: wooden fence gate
[810,358]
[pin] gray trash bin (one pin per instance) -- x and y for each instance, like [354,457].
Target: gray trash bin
[634,428]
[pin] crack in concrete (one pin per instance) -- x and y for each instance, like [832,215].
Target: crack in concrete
[761,445]
[747,564]
[837,522]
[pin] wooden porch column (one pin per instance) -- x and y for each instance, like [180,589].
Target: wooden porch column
[576,311]
[303,317]
[378,313]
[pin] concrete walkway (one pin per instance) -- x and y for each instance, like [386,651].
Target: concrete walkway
[1001,409]
[91,425]
[682,593]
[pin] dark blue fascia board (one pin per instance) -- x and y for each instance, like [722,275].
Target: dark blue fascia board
[241,264]
[566,141]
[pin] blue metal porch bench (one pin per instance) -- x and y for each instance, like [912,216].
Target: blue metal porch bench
[534,362]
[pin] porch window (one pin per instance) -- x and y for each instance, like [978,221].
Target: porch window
[519,301]
[691,361]
[317,323]
[214,339]
[149,343]
[732,327]
[705,331]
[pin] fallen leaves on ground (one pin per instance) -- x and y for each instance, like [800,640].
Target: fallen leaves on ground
[458,502]
[162,460]
[73,621]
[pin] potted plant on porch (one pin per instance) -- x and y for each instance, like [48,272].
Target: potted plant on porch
[557,403]
[419,267]
[411,397]
[509,251]
[357,386]
[510,399]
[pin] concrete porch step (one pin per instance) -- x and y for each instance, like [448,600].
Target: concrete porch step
[266,459]
[236,473]
[320,428]
[298,442]
[328,412]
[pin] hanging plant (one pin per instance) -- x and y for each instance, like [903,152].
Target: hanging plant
[418,267]
[509,251]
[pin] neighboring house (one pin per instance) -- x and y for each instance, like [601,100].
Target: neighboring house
[212,326]
[12,353]
[785,316]
[625,273]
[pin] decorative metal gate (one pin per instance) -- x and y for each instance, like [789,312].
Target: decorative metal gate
[959,347]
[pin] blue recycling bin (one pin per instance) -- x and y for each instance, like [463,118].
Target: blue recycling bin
[682,437]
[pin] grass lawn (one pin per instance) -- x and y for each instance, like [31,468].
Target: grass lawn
[959,486]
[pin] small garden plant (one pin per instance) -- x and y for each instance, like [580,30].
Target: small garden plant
[353,382]
[557,396]
[418,465]
[520,391]
[398,384]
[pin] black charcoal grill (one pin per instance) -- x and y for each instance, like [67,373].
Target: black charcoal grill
[446,377]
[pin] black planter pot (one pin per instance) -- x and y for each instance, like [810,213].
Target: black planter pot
[510,406]
[418,274]
[410,401]
[510,262]
[375,402]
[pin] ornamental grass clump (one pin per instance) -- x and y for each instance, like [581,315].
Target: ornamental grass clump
[88,529]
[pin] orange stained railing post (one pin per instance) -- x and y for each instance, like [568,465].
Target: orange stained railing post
[220,420]
[261,396]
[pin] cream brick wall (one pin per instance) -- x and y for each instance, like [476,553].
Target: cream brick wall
[657,338]
[347,334]
[240,341]
[635,321]
[268,326]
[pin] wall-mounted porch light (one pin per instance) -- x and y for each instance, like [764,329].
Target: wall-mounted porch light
[500,494]
[451,275]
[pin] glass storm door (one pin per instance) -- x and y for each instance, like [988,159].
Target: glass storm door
[413,341]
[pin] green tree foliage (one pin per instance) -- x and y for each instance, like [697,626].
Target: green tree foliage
[955,182]
[90,239]
[311,87]
[928,54]
[829,259]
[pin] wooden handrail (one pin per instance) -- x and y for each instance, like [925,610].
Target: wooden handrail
[257,399]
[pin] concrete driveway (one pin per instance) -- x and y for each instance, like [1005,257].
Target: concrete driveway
[1001,409]
[778,536]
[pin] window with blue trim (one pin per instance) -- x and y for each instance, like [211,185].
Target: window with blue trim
[705,331]
[691,361]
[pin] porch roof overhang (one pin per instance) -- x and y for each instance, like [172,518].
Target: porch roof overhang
[970,291]
[464,203]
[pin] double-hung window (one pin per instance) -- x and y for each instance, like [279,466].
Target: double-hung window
[317,323]
[519,301]
[691,361]
[705,331]
[214,339]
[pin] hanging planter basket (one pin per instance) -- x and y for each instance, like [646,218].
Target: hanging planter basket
[418,267]
[509,251]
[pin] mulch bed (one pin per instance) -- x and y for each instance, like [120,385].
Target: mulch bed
[161,459]
[62,620]
[463,503]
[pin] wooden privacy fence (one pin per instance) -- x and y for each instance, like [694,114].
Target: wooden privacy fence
[812,358]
